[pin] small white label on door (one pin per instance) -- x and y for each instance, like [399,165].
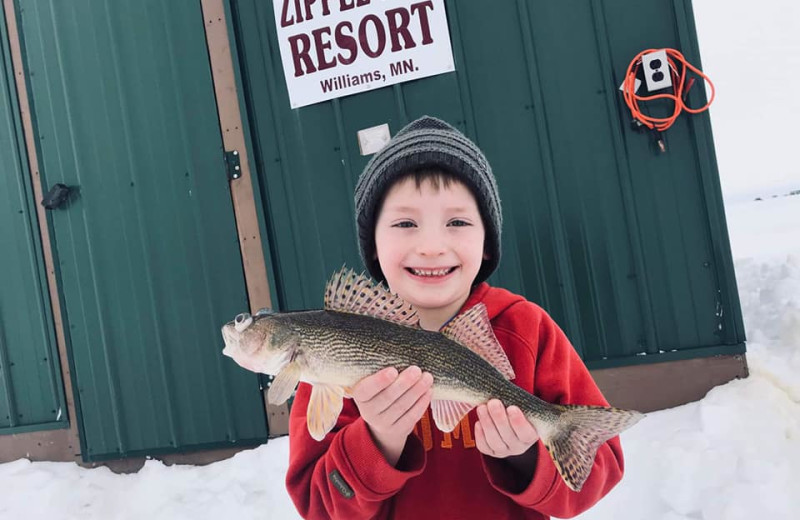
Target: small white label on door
[371,140]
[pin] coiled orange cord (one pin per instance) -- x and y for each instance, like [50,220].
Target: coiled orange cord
[679,90]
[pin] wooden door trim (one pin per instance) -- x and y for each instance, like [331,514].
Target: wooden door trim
[54,445]
[244,205]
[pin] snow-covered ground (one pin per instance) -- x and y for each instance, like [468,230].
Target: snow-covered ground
[736,453]
[733,455]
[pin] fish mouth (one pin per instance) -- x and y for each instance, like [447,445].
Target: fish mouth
[230,338]
[228,335]
[431,272]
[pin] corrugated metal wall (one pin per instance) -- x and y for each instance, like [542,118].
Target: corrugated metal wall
[626,248]
[31,392]
[147,249]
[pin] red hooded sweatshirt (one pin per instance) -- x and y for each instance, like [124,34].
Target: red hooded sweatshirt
[443,475]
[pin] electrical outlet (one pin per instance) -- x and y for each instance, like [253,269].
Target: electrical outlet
[656,70]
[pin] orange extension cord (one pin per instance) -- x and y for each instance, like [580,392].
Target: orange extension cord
[679,90]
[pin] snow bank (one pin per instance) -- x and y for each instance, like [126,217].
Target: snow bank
[248,485]
[734,455]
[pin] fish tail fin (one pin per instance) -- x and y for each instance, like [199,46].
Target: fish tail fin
[577,434]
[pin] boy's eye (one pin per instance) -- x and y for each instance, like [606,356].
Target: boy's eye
[404,224]
[457,222]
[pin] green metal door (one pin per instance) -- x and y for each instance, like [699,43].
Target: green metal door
[31,391]
[147,251]
[626,248]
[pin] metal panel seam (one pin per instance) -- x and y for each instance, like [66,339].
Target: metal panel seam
[50,279]
[125,113]
[623,171]
[564,265]
[712,191]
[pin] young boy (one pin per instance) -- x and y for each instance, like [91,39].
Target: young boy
[429,222]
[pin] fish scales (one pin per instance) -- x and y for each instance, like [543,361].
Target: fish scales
[358,346]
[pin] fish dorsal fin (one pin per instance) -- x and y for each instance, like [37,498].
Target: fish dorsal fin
[447,414]
[473,330]
[355,293]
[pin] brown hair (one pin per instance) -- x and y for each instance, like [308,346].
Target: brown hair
[438,178]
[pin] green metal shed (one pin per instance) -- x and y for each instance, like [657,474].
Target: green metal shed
[148,259]
[625,247]
[31,392]
[142,109]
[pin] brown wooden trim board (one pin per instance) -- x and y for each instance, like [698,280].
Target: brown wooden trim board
[230,120]
[659,386]
[56,445]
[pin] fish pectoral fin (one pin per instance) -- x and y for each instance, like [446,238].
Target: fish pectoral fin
[324,408]
[447,414]
[281,388]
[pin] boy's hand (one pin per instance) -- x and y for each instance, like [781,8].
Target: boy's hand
[391,404]
[502,432]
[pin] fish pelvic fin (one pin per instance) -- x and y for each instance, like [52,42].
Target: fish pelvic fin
[281,388]
[447,414]
[354,293]
[473,329]
[574,439]
[324,408]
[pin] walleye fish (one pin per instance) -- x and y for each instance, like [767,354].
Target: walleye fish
[364,328]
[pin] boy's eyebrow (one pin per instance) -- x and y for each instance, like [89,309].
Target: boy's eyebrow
[402,209]
[416,209]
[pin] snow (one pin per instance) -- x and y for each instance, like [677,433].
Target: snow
[248,485]
[733,455]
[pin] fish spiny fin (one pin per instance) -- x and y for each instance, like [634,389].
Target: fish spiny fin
[281,388]
[447,414]
[355,293]
[578,433]
[324,408]
[473,330]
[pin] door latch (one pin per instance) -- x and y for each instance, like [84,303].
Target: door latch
[57,196]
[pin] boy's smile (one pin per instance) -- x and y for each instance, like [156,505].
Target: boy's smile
[429,243]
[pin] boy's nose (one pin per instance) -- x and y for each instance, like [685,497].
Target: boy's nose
[431,244]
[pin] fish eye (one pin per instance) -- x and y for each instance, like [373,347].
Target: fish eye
[242,321]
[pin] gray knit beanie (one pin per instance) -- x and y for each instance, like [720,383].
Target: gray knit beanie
[428,143]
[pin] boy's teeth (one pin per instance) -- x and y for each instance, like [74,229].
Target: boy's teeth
[430,272]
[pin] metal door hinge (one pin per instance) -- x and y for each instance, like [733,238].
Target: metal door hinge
[233,165]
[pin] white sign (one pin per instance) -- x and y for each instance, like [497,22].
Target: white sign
[333,48]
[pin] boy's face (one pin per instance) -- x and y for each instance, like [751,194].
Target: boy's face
[429,244]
